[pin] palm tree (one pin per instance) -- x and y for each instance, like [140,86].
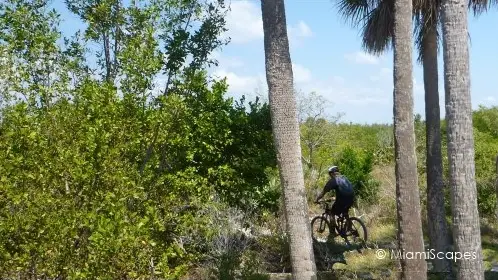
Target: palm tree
[427,42]
[479,7]
[408,200]
[285,127]
[466,226]
[377,32]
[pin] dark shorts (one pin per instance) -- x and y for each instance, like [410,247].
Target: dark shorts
[342,205]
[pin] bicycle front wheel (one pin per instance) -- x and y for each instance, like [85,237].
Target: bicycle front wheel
[320,229]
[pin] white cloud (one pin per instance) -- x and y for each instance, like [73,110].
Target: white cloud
[338,79]
[226,62]
[255,85]
[231,62]
[349,93]
[245,25]
[239,84]
[297,33]
[300,30]
[244,22]
[301,73]
[362,58]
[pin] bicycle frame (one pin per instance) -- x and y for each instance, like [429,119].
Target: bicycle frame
[339,225]
[337,222]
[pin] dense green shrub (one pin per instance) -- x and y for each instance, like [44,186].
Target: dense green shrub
[357,166]
[486,150]
[103,211]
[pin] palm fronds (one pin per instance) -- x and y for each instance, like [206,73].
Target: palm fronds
[378,29]
[481,6]
[355,11]
[426,19]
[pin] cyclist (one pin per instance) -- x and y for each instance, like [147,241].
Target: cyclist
[343,190]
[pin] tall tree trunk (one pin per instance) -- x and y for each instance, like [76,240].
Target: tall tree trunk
[117,40]
[466,226]
[407,192]
[107,55]
[286,136]
[436,216]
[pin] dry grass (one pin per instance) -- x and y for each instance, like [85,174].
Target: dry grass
[366,261]
[382,233]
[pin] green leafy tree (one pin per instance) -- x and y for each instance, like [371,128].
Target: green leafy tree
[486,149]
[77,198]
[357,166]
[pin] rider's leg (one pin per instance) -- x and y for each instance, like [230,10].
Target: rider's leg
[336,211]
[339,210]
[348,204]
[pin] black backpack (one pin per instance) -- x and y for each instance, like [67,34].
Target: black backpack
[344,186]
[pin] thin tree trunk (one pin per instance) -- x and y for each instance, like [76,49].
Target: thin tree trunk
[117,40]
[407,193]
[466,226]
[107,55]
[436,216]
[286,136]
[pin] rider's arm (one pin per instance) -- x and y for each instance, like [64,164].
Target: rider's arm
[320,195]
[328,187]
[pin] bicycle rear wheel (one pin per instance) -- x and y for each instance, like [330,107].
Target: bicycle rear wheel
[356,232]
[320,229]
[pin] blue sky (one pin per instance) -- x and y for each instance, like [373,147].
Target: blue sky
[327,58]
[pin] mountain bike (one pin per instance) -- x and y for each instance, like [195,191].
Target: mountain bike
[328,226]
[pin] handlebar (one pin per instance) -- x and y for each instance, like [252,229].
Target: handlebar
[327,201]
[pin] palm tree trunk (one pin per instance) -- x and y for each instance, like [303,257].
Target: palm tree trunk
[286,135]
[466,226]
[436,216]
[407,192]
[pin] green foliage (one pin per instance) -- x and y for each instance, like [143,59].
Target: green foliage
[384,152]
[97,180]
[486,152]
[233,147]
[144,37]
[357,166]
[70,164]
[78,163]
[485,120]
[122,169]
[30,64]
[324,142]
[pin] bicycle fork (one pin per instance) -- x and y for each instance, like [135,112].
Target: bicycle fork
[323,223]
